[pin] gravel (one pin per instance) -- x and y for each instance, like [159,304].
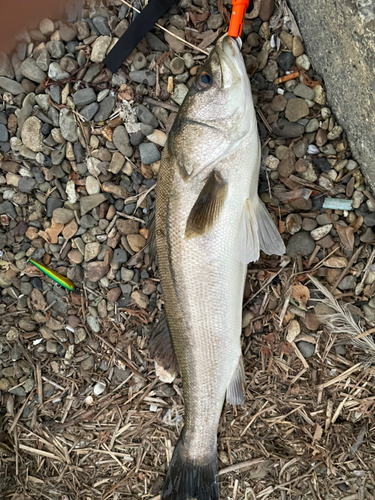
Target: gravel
[77,165]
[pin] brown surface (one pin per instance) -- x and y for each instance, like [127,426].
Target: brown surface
[18,15]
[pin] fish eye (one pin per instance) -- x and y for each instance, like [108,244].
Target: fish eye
[204,79]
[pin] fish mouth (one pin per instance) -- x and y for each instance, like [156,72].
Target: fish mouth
[231,60]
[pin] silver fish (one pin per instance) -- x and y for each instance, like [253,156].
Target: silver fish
[210,223]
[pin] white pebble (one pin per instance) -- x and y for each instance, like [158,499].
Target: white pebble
[303,62]
[272,162]
[158,137]
[71,192]
[99,388]
[92,185]
[320,232]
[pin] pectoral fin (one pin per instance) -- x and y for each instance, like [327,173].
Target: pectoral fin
[257,232]
[208,206]
[235,395]
[161,348]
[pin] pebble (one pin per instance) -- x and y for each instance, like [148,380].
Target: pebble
[293,223]
[321,231]
[93,323]
[11,86]
[306,349]
[89,362]
[179,93]
[68,125]
[31,135]
[99,388]
[84,97]
[146,117]
[26,184]
[87,203]
[301,242]
[286,60]
[105,109]
[144,76]
[101,24]
[297,47]
[56,73]
[303,62]
[140,299]
[175,44]
[92,185]
[31,70]
[288,130]
[99,49]
[347,283]
[149,153]
[296,109]
[304,91]
[266,9]
[155,43]
[177,66]
[121,141]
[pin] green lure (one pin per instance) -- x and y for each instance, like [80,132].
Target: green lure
[59,278]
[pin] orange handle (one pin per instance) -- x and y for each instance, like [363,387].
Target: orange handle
[236,20]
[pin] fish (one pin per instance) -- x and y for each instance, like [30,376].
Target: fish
[55,276]
[209,224]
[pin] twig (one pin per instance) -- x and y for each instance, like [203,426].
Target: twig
[125,359]
[270,279]
[346,270]
[340,377]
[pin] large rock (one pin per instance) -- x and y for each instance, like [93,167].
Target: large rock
[340,40]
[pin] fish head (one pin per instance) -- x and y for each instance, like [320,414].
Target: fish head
[217,113]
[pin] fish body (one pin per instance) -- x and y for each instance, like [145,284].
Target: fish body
[55,276]
[209,225]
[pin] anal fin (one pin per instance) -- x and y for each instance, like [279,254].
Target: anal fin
[161,349]
[235,394]
[208,206]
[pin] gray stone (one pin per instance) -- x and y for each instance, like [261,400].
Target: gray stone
[304,91]
[369,312]
[7,208]
[88,112]
[300,242]
[11,86]
[105,109]
[139,61]
[306,348]
[101,24]
[68,125]
[87,203]
[93,324]
[91,73]
[288,130]
[84,97]
[6,68]
[331,30]
[55,93]
[56,73]
[296,109]
[44,60]
[145,116]
[120,256]
[149,153]
[31,70]
[56,49]
[121,141]
[137,138]
[26,184]
[155,43]
[4,135]
[144,76]
[347,283]
[214,22]
[87,221]
[52,204]
[312,126]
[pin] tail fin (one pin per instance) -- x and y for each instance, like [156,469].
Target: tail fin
[190,480]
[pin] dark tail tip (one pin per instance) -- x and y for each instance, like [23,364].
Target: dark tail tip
[189,480]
